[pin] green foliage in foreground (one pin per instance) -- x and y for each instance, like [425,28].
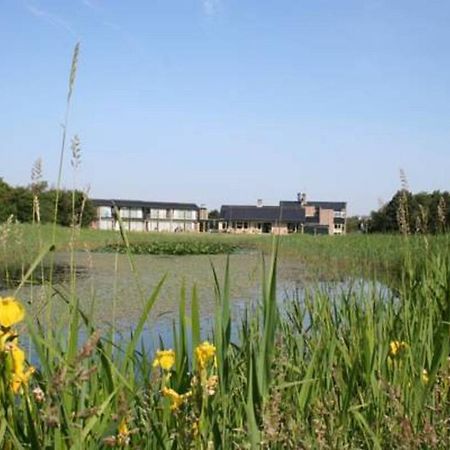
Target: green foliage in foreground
[363,370]
[171,248]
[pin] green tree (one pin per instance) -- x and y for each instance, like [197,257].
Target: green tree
[73,206]
[22,199]
[7,206]
[354,224]
[214,214]
[421,213]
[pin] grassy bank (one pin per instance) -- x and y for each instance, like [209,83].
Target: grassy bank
[360,371]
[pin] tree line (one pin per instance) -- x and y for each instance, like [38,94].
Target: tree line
[406,212]
[412,213]
[36,202]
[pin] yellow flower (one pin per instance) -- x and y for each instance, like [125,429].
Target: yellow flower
[204,353]
[425,377]
[396,348]
[7,339]
[20,376]
[164,359]
[11,312]
[123,436]
[123,427]
[18,379]
[176,399]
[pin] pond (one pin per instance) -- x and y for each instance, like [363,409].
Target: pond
[108,288]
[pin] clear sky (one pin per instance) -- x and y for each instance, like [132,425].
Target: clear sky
[227,101]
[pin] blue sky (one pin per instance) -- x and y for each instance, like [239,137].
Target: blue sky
[227,101]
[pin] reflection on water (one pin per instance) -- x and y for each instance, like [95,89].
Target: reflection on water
[108,288]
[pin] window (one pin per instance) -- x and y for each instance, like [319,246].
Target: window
[178,214]
[136,213]
[124,213]
[158,213]
[191,214]
[105,212]
[291,227]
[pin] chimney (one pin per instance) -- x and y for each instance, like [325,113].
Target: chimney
[301,198]
[259,202]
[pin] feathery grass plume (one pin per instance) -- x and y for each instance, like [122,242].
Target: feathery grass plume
[422,220]
[84,199]
[75,146]
[404,181]
[402,210]
[75,161]
[441,212]
[36,186]
[36,174]
[72,78]
[73,70]
[402,214]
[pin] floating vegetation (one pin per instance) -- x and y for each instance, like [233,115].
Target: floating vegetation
[171,248]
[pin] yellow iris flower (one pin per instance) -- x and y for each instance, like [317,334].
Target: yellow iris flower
[20,376]
[396,348]
[11,312]
[204,353]
[176,399]
[164,359]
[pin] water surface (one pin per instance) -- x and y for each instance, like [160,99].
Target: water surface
[114,292]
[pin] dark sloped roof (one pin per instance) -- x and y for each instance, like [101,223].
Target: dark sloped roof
[292,214]
[262,213]
[142,204]
[240,212]
[289,203]
[336,206]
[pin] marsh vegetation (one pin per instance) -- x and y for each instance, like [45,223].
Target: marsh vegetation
[360,367]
